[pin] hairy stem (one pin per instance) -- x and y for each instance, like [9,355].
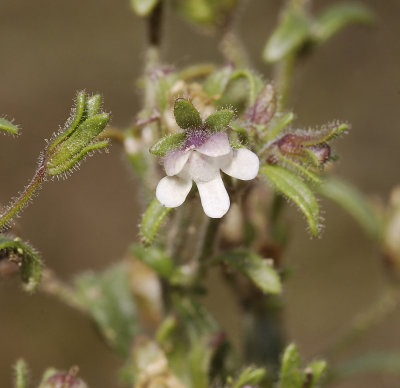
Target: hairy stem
[21,201]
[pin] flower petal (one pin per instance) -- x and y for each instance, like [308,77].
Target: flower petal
[216,145]
[214,198]
[172,191]
[244,165]
[174,161]
[201,168]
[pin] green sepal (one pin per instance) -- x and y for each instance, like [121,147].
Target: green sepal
[186,115]
[279,123]
[291,34]
[156,258]
[143,7]
[355,203]
[333,19]
[8,126]
[108,299]
[75,144]
[21,374]
[151,221]
[92,106]
[291,375]
[26,258]
[73,121]
[309,175]
[294,188]
[168,143]
[259,270]
[251,376]
[325,134]
[219,120]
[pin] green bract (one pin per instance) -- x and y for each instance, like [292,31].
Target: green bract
[186,115]
[8,126]
[79,138]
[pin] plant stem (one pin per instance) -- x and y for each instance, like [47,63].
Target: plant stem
[284,71]
[21,201]
[209,239]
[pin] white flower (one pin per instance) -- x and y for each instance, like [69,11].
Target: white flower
[200,160]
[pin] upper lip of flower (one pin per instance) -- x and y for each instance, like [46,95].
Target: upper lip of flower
[200,159]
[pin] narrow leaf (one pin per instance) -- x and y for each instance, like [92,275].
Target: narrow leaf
[25,257]
[186,115]
[143,7]
[168,143]
[291,374]
[93,105]
[155,258]
[260,271]
[355,203]
[279,124]
[151,221]
[291,34]
[216,83]
[294,188]
[8,126]
[108,299]
[219,120]
[338,16]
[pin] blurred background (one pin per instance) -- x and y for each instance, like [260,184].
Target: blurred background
[51,48]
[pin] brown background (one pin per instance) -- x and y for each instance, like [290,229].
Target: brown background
[51,48]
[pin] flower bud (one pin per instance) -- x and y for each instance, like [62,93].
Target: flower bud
[263,109]
[79,138]
[64,380]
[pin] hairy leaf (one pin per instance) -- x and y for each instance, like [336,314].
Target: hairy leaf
[219,120]
[249,377]
[21,374]
[259,270]
[8,126]
[294,188]
[168,143]
[151,221]
[25,257]
[108,299]
[291,374]
[186,115]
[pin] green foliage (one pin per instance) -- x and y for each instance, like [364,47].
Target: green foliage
[294,188]
[337,16]
[108,299]
[151,221]
[260,271]
[8,126]
[318,370]
[186,115]
[143,7]
[355,203]
[219,120]
[25,257]
[168,143]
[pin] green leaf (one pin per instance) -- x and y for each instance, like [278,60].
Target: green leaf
[8,126]
[93,105]
[21,374]
[279,124]
[249,377]
[219,120]
[318,370]
[291,374]
[143,7]
[168,143]
[108,299]
[338,16]
[294,188]
[155,258]
[355,203]
[372,362]
[151,221]
[186,115]
[260,271]
[25,257]
[325,134]
[291,34]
